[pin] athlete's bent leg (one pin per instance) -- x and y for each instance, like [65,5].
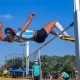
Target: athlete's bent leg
[56,24]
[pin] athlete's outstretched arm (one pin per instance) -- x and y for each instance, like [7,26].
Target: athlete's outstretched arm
[25,26]
[1,37]
[1,33]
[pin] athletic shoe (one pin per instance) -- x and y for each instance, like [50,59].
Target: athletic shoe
[67,38]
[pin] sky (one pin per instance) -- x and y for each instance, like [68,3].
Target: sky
[14,13]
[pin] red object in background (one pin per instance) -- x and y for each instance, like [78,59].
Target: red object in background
[1,72]
[1,25]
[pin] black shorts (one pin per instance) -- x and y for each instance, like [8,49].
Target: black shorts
[36,77]
[5,75]
[66,78]
[41,36]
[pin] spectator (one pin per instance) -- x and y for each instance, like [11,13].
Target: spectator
[60,77]
[36,71]
[5,72]
[65,75]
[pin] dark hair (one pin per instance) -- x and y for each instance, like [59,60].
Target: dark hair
[12,32]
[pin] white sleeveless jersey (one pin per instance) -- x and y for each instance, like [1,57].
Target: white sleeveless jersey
[27,35]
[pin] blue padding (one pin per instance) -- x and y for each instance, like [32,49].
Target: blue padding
[18,70]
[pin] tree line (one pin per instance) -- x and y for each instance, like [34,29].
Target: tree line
[53,64]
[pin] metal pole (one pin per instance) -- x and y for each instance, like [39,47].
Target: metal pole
[27,57]
[13,60]
[5,60]
[39,58]
[77,33]
[23,57]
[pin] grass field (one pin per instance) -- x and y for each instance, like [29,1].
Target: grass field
[1,78]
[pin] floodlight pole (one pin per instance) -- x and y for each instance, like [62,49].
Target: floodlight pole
[77,33]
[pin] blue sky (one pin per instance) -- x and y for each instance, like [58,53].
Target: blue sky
[14,13]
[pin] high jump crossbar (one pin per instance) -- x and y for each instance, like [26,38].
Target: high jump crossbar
[54,38]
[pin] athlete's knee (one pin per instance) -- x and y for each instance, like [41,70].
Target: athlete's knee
[54,21]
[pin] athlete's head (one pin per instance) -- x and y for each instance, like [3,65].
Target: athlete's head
[36,62]
[5,68]
[10,34]
[1,25]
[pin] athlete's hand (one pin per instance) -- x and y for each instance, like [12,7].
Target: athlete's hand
[32,14]
[32,77]
[40,77]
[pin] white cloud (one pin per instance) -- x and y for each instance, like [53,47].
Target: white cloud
[6,16]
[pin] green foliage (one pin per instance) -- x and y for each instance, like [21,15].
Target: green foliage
[48,63]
